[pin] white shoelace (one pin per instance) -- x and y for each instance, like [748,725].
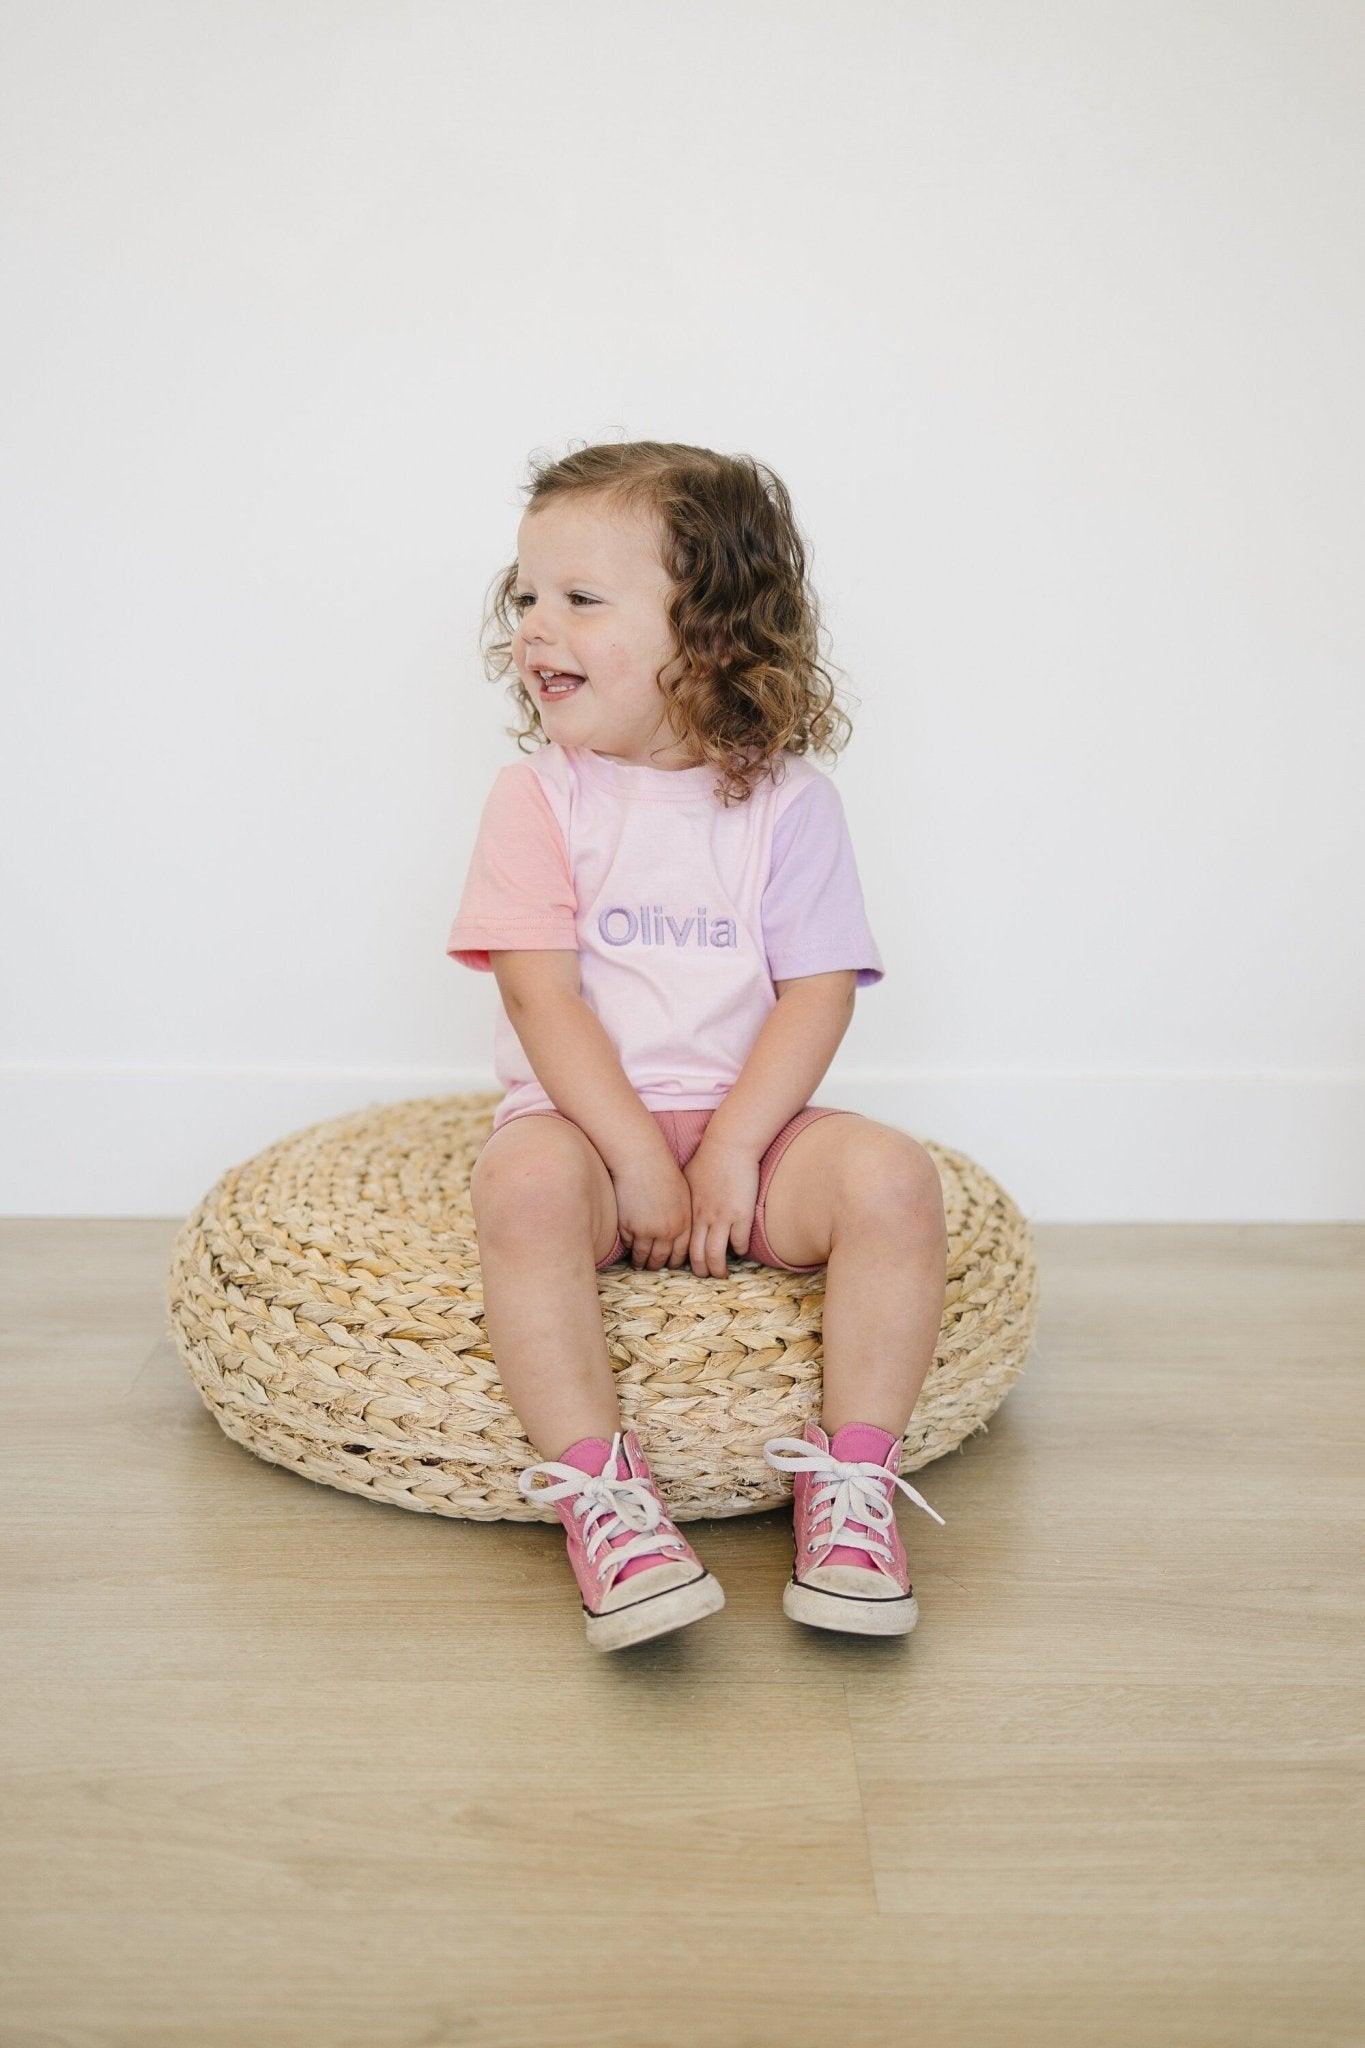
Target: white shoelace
[847,1492]
[608,1507]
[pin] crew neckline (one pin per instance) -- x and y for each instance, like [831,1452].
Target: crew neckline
[637,779]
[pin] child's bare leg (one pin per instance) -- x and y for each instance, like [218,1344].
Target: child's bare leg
[867,1199]
[884,1295]
[539,1208]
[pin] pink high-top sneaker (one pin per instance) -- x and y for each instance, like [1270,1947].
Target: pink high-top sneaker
[849,1566]
[637,1574]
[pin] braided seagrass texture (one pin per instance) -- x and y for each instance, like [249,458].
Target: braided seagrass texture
[327,1299]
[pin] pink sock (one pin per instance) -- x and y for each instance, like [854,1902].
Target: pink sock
[862,1443]
[858,1443]
[590,1455]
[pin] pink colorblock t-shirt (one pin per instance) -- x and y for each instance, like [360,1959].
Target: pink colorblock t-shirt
[683,911]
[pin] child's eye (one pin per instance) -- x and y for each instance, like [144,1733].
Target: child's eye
[523,597]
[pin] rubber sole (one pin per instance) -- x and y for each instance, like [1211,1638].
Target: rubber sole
[655,1615]
[848,1614]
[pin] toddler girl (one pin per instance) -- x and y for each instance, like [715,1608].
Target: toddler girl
[667,895]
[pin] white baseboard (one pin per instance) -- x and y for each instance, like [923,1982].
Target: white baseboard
[1161,1147]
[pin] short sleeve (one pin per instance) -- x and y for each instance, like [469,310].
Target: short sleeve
[813,915]
[518,893]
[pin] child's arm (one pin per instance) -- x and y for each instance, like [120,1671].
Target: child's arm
[573,1059]
[787,1061]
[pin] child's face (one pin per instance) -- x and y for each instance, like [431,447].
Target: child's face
[590,596]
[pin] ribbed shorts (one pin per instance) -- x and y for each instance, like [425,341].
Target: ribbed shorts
[683,1129]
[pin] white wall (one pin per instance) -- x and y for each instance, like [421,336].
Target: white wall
[1050,316]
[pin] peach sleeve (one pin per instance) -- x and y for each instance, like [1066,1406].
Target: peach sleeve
[518,893]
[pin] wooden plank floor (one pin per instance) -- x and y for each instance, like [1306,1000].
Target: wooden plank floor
[283,1766]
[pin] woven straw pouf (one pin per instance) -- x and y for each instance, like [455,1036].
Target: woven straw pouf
[327,1299]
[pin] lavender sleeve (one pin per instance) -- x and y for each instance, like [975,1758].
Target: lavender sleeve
[813,915]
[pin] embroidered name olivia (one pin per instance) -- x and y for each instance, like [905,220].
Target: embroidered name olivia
[649,924]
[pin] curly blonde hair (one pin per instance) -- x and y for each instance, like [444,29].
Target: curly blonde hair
[744,617]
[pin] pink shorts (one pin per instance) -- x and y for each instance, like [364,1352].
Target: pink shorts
[683,1129]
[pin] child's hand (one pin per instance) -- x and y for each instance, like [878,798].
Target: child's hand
[724,1184]
[653,1210]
